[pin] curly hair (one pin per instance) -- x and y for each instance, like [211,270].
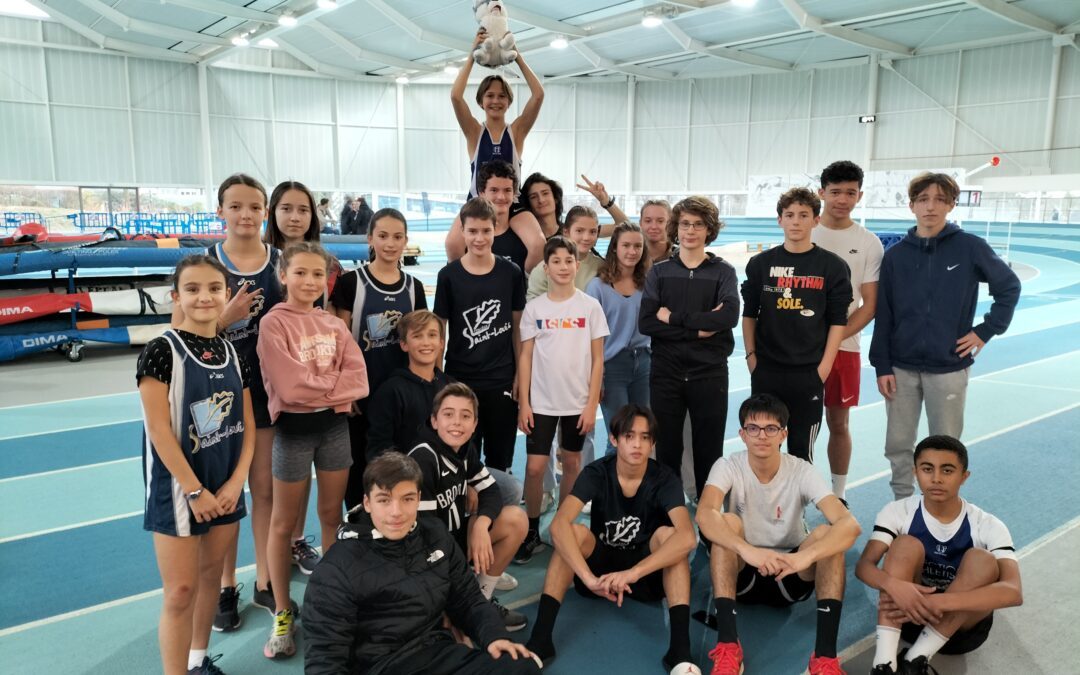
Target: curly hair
[701,207]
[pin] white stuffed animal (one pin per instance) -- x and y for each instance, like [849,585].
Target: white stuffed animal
[498,48]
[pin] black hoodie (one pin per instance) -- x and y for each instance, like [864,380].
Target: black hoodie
[400,409]
[372,602]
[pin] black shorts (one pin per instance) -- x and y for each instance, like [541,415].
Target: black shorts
[260,405]
[606,559]
[753,588]
[543,433]
[961,642]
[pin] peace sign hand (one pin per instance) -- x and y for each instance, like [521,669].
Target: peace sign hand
[596,189]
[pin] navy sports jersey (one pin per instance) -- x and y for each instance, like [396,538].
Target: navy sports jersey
[488,150]
[206,406]
[244,334]
[944,544]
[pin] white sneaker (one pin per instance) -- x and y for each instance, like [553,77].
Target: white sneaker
[686,668]
[547,501]
[506,582]
[587,509]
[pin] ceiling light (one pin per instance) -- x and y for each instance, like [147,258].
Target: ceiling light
[327,4]
[744,3]
[267,43]
[402,79]
[22,8]
[559,42]
[240,41]
[652,19]
[287,20]
[451,69]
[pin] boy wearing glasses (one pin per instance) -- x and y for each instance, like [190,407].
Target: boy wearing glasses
[689,307]
[761,552]
[795,305]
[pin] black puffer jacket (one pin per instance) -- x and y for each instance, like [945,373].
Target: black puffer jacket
[372,602]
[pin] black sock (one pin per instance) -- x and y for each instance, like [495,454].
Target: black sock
[725,620]
[534,524]
[679,648]
[540,641]
[828,625]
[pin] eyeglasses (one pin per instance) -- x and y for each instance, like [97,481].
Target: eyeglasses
[697,225]
[770,430]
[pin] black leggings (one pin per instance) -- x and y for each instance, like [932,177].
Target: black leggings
[496,428]
[803,393]
[354,489]
[706,401]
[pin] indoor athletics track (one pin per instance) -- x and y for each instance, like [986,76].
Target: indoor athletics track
[81,593]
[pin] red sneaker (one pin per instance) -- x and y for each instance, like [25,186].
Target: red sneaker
[727,658]
[825,665]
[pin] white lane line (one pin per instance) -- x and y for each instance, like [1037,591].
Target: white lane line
[64,429]
[68,469]
[1071,390]
[73,526]
[67,400]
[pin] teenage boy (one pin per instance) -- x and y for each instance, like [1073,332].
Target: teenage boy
[761,552]
[841,191]
[560,371]
[481,296]
[450,466]
[689,307]
[795,304]
[949,566]
[497,182]
[638,541]
[375,603]
[925,339]
[582,228]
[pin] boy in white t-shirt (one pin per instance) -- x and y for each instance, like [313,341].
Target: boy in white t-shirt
[761,551]
[562,344]
[841,191]
[949,566]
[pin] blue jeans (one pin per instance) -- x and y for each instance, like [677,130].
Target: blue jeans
[626,380]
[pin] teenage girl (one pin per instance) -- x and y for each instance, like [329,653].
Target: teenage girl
[255,289]
[292,218]
[495,139]
[313,371]
[627,356]
[198,443]
[370,300]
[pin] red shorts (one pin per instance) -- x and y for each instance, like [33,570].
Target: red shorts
[842,385]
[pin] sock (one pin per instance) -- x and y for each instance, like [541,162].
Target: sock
[886,644]
[839,483]
[679,647]
[534,524]
[928,644]
[487,584]
[725,620]
[828,625]
[195,658]
[540,641]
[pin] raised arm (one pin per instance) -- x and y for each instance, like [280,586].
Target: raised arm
[469,126]
[521,126]
[607,202]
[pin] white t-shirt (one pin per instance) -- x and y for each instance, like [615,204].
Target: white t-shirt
[771,513]
[861,250]
[562,353]
[944,543]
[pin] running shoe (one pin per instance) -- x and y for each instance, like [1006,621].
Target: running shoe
[506,582]
[917,666]
[825,665]
[528,548]
[207,667]
[883,669]
[587,509]
[547,501]
[727,658]
[686,668]
[514,621]
[227,617]
[265,599]
[305,556]
[281,644]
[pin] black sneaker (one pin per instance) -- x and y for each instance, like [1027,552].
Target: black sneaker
[265,599]
[514,621]
[305,556]
[883,669]
[207,666]
[227,618]
[528,548]
[920,665]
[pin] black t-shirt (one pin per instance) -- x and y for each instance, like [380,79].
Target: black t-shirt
[509,246]
[619,521]
[156,357]
[796,298]
[478,309]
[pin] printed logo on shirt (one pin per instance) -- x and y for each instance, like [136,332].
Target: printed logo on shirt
[381,329]
[621,533]
[854,251]
[786,281]
[941,549]
[435,556]
[558,324]
[779,513]
[319,348]
[208,416]
[950,268]
[479,322]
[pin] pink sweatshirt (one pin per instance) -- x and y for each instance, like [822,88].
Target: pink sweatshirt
[309,361]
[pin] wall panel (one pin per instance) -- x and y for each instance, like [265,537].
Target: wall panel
[92,145]
[25,142]
[240,145]
[22,74]
[164,151]
[369,159]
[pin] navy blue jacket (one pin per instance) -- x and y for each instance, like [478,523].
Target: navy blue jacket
[927,294]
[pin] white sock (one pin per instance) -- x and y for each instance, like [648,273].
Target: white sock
[839,482]
[195,658]
[928,644]
[886,645]
[487,584]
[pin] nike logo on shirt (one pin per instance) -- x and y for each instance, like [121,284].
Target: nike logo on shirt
[952,267]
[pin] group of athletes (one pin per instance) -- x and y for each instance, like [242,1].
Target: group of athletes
[278,359]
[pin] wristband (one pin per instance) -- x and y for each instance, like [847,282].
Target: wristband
[610,203]
[195,494]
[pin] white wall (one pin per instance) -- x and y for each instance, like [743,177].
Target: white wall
[72,115]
